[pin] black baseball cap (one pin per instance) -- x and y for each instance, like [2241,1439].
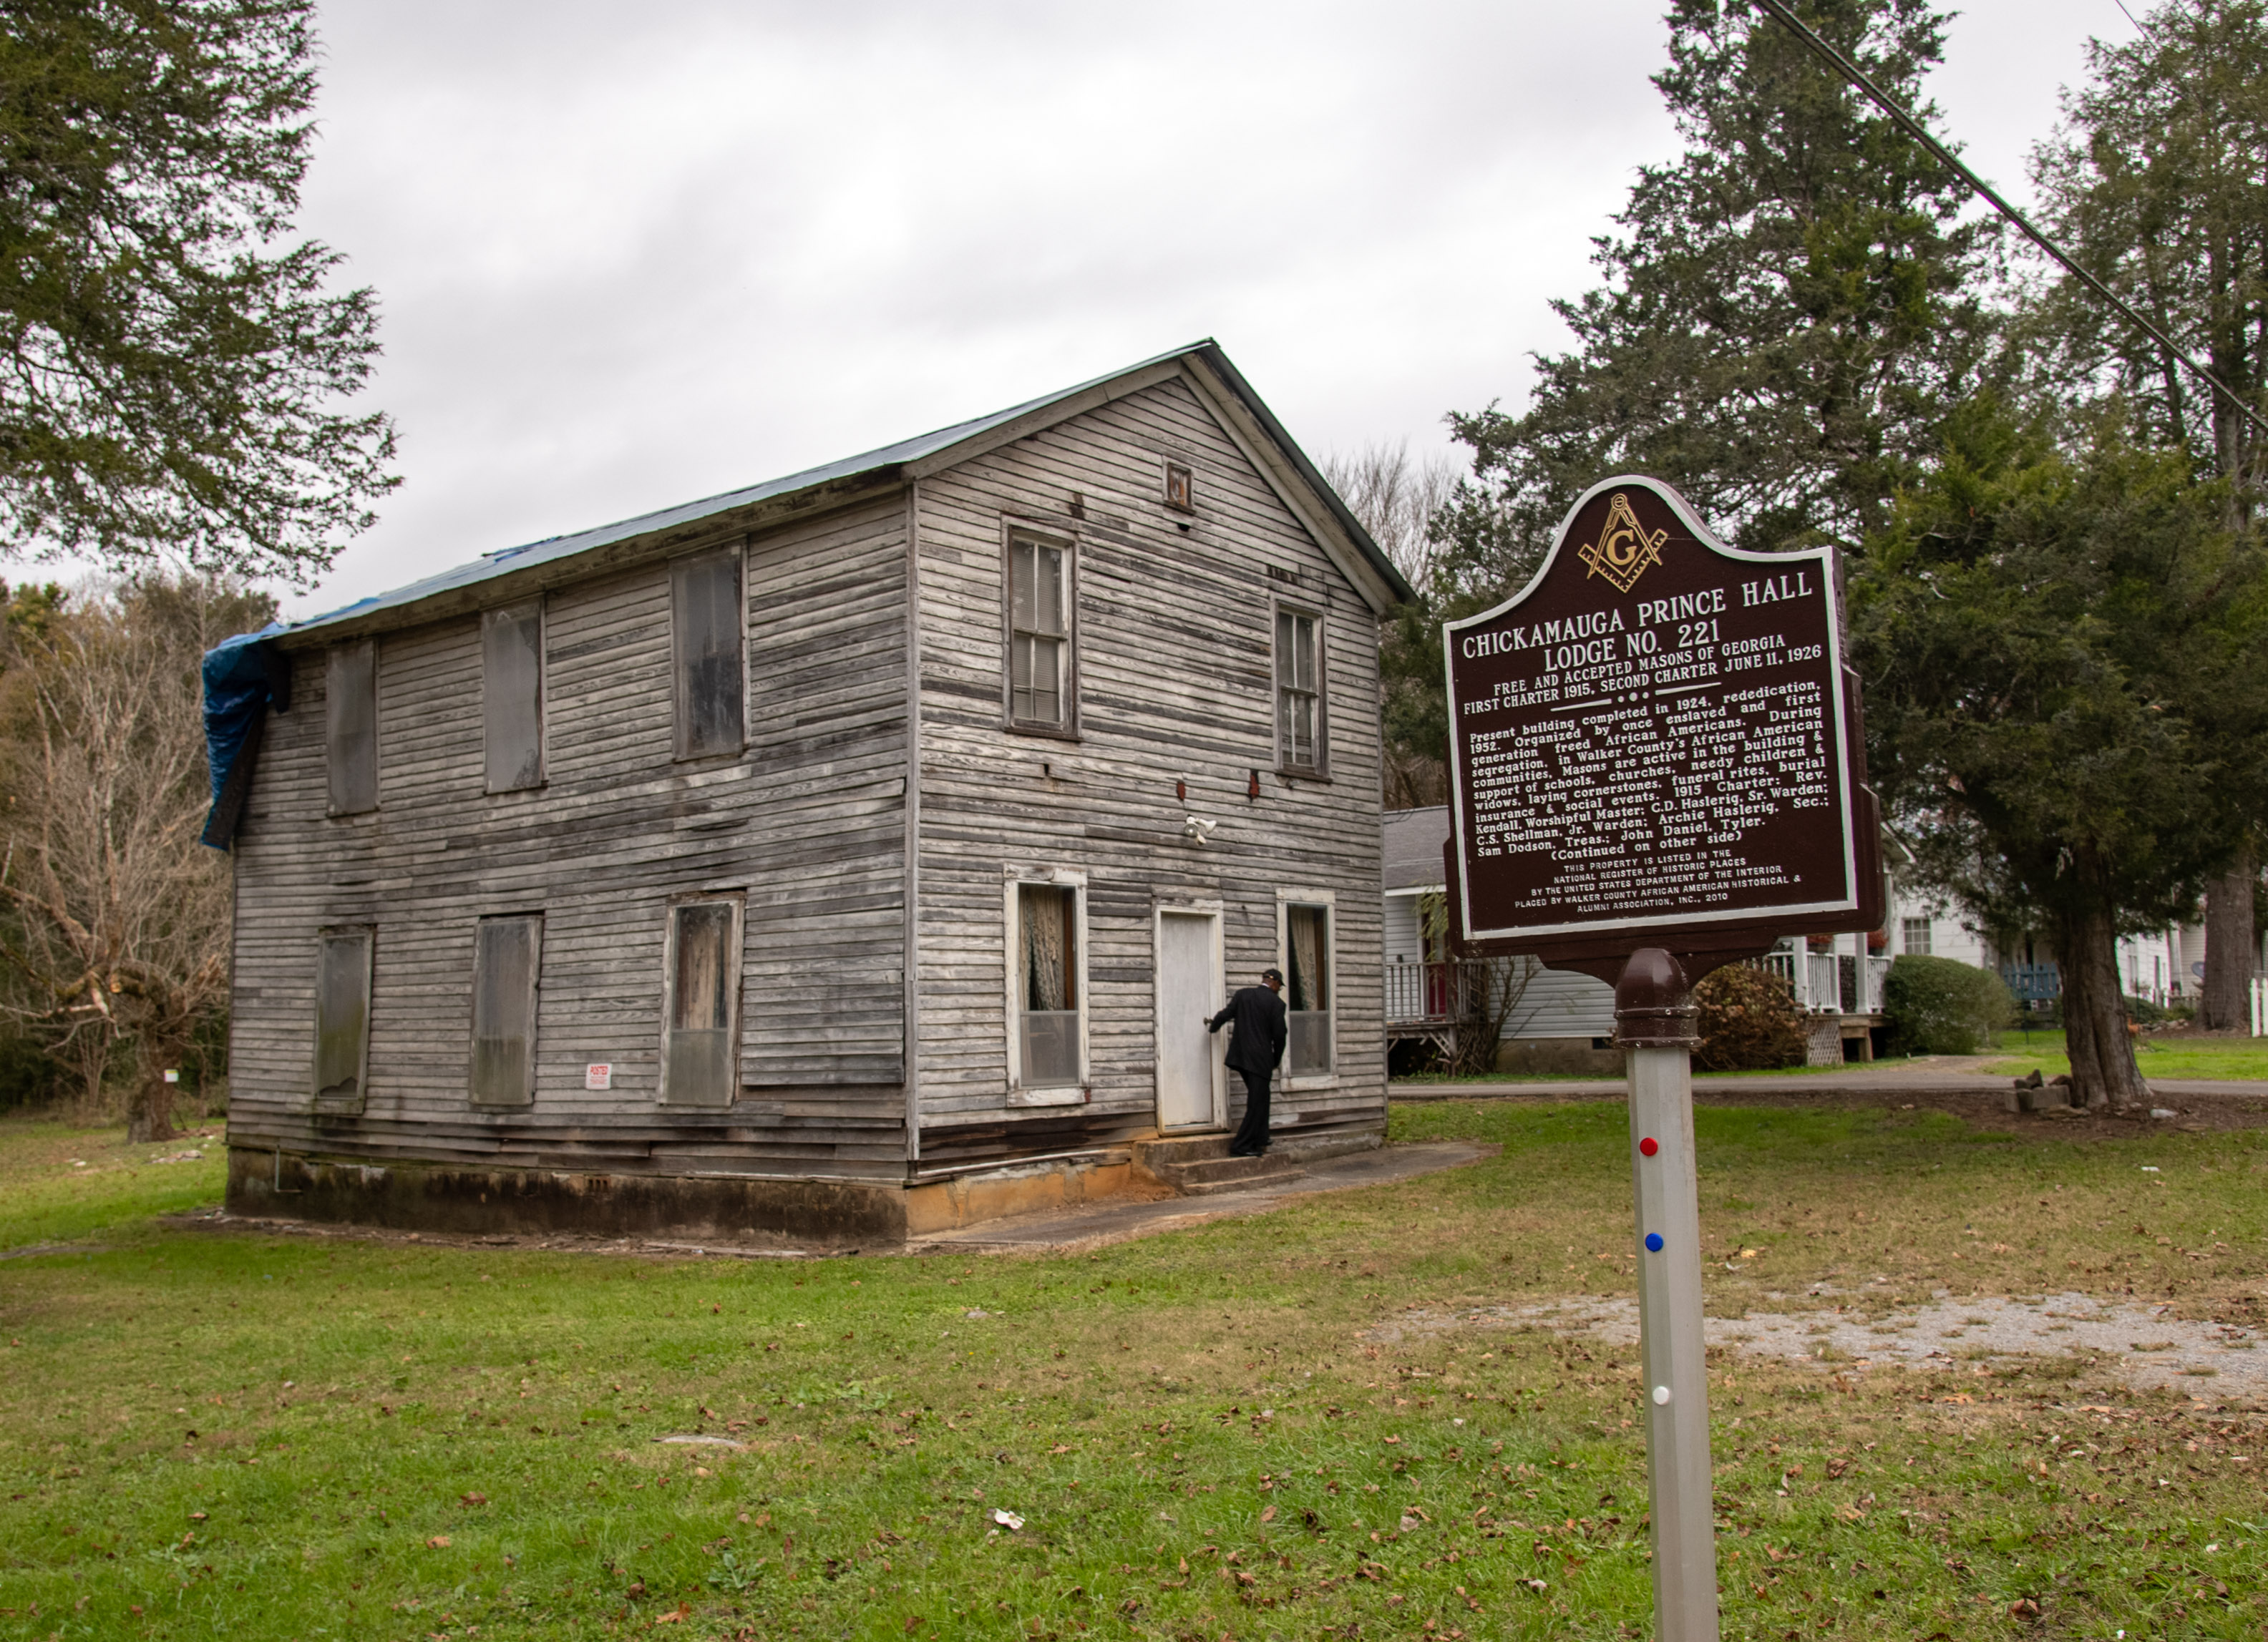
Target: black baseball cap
[1275,975]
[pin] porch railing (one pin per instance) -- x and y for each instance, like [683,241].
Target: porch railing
[1425,994]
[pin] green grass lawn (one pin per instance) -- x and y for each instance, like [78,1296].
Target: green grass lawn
[1203,1433]
[2161,1055]
[1427,1080]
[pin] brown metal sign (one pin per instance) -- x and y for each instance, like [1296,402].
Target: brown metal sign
[1656,743]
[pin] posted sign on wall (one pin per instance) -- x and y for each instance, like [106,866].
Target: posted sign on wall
[1658,733]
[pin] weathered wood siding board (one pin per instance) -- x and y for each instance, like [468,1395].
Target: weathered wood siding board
[1175,680]
[808,825]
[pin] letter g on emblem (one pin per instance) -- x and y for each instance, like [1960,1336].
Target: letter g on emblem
[1624,549]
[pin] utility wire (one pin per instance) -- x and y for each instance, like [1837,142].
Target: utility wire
[1856,76]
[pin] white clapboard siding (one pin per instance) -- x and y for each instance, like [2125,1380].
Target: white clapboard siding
[808,825]
[810,828]
[1176,681]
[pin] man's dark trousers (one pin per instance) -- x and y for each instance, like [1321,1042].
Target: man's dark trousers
[1252,1138]
[1255,1049]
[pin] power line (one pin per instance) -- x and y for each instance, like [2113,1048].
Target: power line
[1914,127]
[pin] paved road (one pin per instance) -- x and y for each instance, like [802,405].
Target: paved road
[1935,1079]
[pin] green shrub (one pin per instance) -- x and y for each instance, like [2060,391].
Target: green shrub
[1939,1006]
[1748,1021]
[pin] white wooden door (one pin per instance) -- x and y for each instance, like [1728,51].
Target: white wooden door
[1189,992]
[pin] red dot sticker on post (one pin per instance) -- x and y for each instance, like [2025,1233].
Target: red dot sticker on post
[1649,1146]
[599,1075]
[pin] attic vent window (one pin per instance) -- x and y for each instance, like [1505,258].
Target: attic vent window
[1180,492]
[1277,573]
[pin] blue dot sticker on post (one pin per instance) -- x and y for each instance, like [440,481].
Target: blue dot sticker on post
[1653,1243]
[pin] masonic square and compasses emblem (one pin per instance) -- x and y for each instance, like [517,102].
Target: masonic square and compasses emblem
[1624,549]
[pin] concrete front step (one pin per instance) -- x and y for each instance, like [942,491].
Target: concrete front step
[1196,1165]
[1271,1173]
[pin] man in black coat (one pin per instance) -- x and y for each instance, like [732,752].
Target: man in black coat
[1255,1049]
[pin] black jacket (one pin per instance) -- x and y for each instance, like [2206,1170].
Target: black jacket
[1256,1045]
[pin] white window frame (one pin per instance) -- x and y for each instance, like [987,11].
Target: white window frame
[1013,881]
[543,691]
[1905,936]
[1285,899]
[1065,728]
[1218,913]
[738,900]
[1320,769]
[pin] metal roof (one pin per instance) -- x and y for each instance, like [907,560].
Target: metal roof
[876,464]
[1413,840]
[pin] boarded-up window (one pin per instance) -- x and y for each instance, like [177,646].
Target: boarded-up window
[350,689]
[705,624]
[511,695]
[705,986]
[341,1019]
[1047,987]
[507,963]
[1299,694]
[1039,634]
[1308,989]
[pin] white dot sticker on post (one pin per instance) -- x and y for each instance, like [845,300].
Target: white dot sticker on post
[599,1075]
[1661,1397]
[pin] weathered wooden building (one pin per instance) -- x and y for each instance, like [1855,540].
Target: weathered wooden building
[850,855]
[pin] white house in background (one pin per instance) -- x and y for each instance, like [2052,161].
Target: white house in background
[1566,1021]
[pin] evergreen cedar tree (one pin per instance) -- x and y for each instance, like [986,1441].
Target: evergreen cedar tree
[2066,694]
[1784,314]
[2160,187]
[175,358]
[2056,602]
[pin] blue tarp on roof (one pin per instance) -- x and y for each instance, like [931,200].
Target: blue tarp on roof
[236,672]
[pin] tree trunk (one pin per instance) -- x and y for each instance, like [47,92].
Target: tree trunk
[2229,948]
[2103,1072]
[150,1109]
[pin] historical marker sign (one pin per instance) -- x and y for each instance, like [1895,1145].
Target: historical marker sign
[1656,741]
[1654,759]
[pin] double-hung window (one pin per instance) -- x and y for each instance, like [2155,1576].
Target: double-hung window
[350,721]
[1040,638]
[342,1070]
[1307,988]
[707,643]
[1913,936]
[1300,727]
[701,1005]
[507,965]
[511,695]
[1046,987]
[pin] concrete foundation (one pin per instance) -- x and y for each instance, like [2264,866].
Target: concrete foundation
[719,1209]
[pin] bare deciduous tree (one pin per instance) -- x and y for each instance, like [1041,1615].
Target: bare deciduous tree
[120,917]
[1396,495]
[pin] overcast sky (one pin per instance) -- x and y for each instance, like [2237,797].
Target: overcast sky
[630,255]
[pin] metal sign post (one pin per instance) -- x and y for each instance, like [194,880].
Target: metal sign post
[1653,1022]
[1656,769]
